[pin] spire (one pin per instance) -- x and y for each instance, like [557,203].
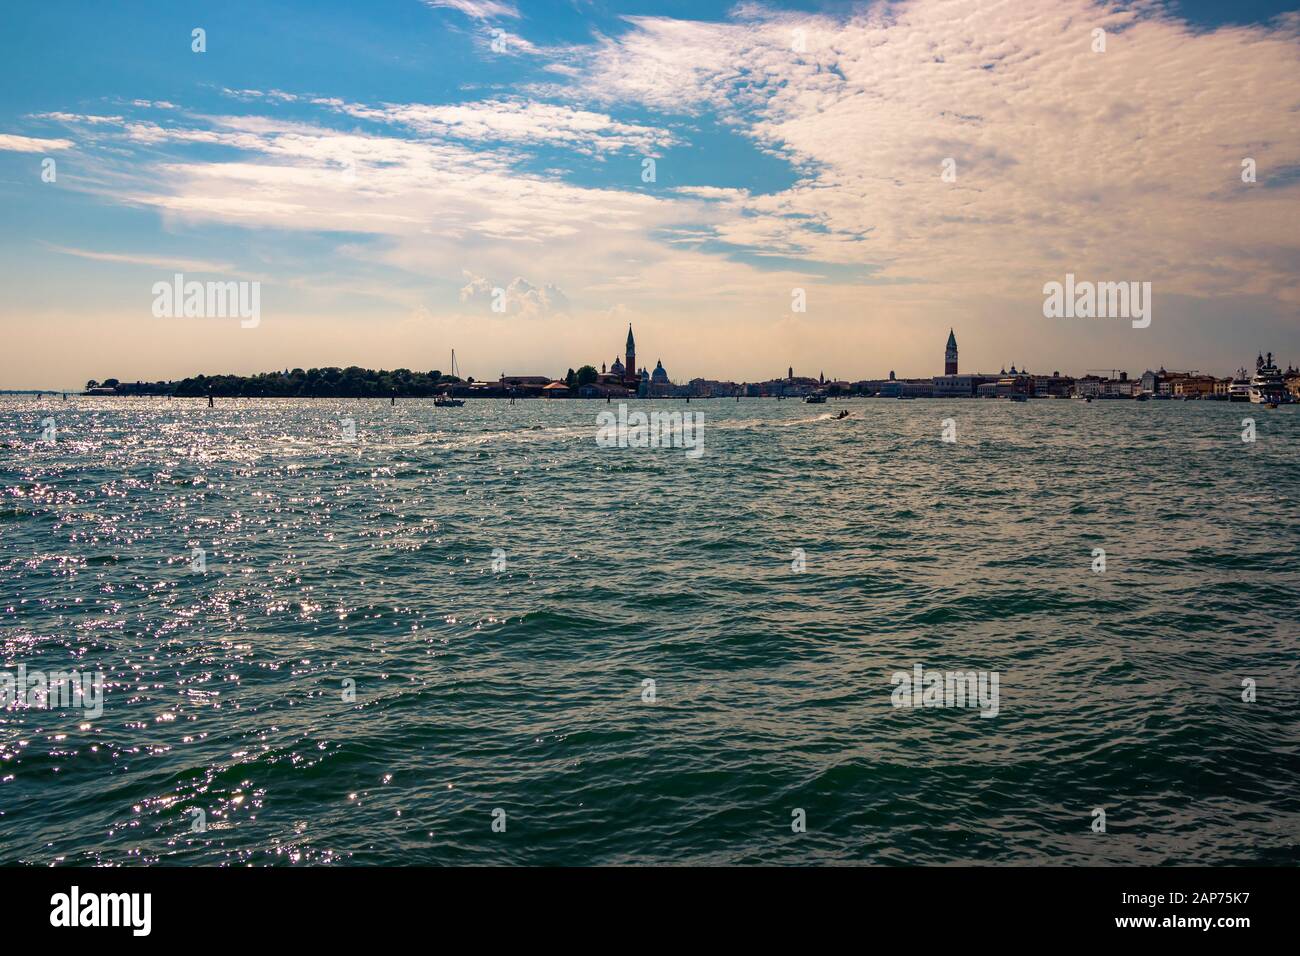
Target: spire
[952,340]
[631,343]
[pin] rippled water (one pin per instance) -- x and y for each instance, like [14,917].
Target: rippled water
[329,561]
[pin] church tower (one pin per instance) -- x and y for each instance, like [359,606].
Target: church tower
[629,369]
[950,355]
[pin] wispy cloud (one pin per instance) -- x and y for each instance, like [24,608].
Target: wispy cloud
[519,121]
[30,144]
[478,9]
[170,263]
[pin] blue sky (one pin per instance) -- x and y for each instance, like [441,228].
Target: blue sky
[380,168]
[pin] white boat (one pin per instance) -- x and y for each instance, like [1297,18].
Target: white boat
[815,398]
[445,400]
[1267,387]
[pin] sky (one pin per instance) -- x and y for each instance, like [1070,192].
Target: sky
[390,171]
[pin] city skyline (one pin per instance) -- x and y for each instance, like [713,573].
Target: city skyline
[583,168]
[626,375]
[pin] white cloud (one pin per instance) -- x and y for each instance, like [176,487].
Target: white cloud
[28,144]
[518,121]
[81,119]
[477,9]
[1120,162]
[519,296]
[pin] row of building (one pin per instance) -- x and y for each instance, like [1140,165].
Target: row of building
[623,379]
[1021,383]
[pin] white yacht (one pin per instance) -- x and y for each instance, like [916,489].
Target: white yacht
[1239,389]
[1267,387]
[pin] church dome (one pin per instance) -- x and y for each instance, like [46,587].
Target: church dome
[659,376]
[616,368]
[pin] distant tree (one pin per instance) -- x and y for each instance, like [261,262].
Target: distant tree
[91,384]
[571,379]
[587,375]
[318,383]
[111,383]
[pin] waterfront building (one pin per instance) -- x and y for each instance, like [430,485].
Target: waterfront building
[1014,383]
[1197,386]
[1163,382]
[524,381]
[604,390]
[1095,386]
[710,388]
[655,384]
[960,386]
[1055,385]
[793,386]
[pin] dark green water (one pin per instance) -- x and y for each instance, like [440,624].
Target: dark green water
[522,689]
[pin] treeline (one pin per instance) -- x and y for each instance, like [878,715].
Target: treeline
[311,383]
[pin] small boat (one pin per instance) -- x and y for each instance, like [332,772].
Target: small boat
[843,414]
[1270,404]
[815,398]
[445,400]
[1017,397]
[1142,397]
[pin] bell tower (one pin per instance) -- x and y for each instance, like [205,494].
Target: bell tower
[950,355]
[629,369]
